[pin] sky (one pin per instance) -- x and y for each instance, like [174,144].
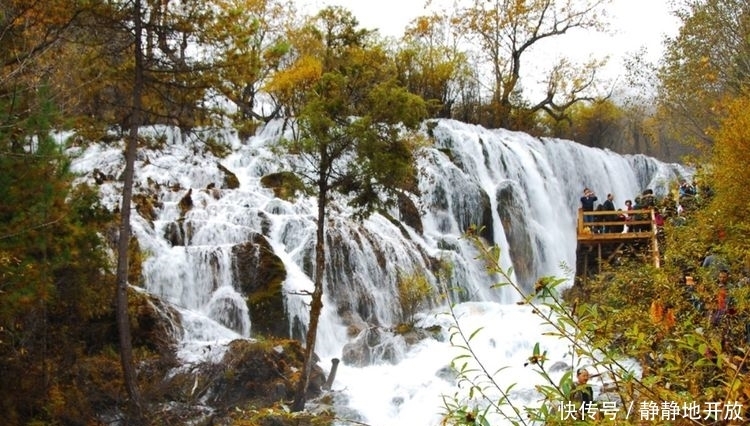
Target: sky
[636,23]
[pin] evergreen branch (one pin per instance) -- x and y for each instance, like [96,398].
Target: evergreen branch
[42,225]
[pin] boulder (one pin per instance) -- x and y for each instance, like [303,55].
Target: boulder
[260,275]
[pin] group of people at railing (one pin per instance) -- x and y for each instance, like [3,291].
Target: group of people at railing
[642,214]
[634,218]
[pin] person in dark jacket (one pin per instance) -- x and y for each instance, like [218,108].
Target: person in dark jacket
[583,393]
[587,203]
[609,205]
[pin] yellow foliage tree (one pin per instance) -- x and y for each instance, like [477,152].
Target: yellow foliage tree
[505,30]
[430,64]
[247,43]
[706,62]
[731,160]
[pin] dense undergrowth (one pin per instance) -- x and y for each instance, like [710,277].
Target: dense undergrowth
[691,350]
[690,342]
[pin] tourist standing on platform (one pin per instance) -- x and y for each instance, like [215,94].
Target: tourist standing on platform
[628,215]
[609,205]
[587,204]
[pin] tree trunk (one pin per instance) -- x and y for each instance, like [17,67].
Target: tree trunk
[316,305]
[123,321]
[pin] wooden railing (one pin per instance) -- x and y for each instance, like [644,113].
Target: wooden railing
[638,226]
[641,226]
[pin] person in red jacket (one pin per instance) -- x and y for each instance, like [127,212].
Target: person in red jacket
[723,304]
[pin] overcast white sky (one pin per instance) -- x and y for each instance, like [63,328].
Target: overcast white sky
[638,23]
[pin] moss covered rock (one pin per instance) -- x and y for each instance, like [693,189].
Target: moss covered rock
[285,185]
[146,205]
[186,203]
[261,373]
[409,213]
[260,274]
[230,179]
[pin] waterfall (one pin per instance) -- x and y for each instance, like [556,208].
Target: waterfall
[523,193]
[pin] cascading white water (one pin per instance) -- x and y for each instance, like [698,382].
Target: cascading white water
[522,190]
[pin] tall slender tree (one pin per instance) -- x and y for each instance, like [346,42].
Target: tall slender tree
[351,122]
[123,320]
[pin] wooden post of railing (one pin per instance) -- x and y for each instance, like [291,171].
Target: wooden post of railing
[655,239]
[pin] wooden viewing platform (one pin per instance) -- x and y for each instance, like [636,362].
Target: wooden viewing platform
[606,245]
